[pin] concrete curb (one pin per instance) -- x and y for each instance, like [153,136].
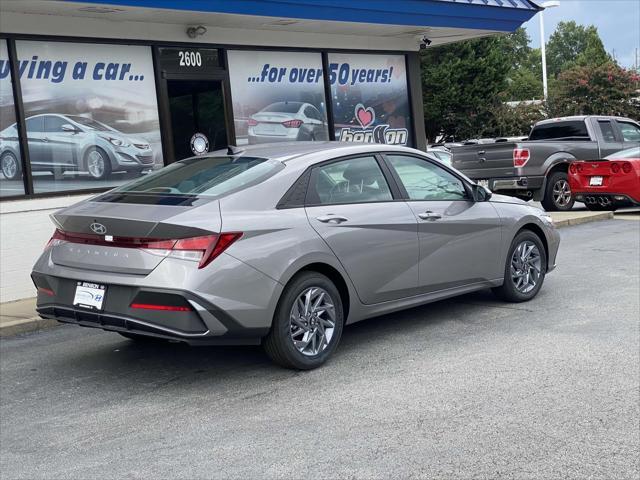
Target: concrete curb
[25,325]
[10,326]
[593,217]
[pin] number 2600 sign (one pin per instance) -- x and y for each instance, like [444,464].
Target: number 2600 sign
[190,59]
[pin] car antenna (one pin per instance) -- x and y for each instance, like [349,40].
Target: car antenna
[233,150]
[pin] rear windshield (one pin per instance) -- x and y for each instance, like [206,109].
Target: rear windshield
[571,130]
[203,176]
[283,107]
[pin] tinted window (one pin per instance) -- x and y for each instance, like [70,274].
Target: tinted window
[311,112]
[35,124]
[424,180]
[570,130]
[356,180]
[90,124]
[204,176]
[283,107]
[53,123]
[607,131]
[630,132]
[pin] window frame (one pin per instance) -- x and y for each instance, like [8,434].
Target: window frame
[435,163]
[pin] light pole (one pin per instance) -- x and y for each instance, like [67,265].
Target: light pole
[543,51]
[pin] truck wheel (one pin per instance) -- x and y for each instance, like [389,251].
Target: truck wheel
[557,195]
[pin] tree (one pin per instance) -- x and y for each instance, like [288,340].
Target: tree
[463,82]
[571,45]
[596,90]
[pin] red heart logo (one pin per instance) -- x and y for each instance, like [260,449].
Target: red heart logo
[366,116]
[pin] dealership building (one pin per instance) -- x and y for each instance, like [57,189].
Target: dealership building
[95,93]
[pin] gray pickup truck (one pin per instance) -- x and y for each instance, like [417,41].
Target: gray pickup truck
[537,167]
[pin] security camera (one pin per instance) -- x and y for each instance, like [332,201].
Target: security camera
[193,32]
[424,43]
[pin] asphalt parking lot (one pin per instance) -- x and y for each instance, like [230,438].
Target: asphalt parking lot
[468,387]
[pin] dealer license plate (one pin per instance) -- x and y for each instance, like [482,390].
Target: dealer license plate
[595,181]
[89,295]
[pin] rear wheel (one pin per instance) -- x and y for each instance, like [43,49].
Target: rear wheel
[308,323]
[525,268]
[557,195]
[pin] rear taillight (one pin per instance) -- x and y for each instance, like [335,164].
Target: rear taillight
[520,157]
[46,291]
[573,168]
[579,167]
[293,123]
[615,168]
[202,249]
[626,167]
[252,122]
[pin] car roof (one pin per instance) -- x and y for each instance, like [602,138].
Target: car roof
[582,118]
[286,151]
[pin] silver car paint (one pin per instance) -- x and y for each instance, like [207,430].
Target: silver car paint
[467,251]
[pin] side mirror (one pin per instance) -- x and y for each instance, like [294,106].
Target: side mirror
[67,127]
[480,193]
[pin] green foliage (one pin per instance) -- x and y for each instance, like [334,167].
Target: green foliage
[515,121]
[571,45]
[596,90]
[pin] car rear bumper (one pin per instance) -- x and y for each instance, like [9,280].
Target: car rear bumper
[605,199]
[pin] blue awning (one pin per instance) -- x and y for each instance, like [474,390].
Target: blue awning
[487,15]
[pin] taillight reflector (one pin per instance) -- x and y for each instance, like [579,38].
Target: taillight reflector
[252,122]
[520,157]
[208,247]
[167,308]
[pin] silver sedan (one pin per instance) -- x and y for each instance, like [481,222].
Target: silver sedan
[284,245]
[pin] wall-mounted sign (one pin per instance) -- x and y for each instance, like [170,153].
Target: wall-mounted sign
[370,98]
[189,60]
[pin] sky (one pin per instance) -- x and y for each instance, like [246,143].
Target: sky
[617,21]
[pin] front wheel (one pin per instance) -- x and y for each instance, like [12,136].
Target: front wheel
[525,268]
[308,322]
[98,164]
[10,166]
[557,195]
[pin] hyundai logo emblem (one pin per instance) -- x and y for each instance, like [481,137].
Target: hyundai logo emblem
[98,228]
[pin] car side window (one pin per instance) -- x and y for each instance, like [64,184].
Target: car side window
[311,112]
[356,180]
[424,180]
[630,132]
[35,124]
[607,130]
[53,124]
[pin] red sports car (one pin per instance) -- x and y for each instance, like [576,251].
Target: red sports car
[607,184]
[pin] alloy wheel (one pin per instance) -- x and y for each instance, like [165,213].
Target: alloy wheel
[526,266]
[561,193]
[312,321]
[9,166]
[95,164]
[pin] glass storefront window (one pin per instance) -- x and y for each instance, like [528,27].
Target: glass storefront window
[277,96]
[370,98]
[11,183]
[91,114]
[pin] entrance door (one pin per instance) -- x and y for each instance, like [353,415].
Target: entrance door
[196,111]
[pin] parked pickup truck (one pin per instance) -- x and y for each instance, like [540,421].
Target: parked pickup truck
[537,167]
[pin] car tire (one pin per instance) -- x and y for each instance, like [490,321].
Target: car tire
[522,281]
[10,166]
[97,163]
[555,195]
[285,343]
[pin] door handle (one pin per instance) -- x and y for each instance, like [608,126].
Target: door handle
[482,152]
[330,218]
[429,215]
[45,139]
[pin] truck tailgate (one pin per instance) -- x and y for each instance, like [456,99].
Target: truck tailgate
[491,160]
